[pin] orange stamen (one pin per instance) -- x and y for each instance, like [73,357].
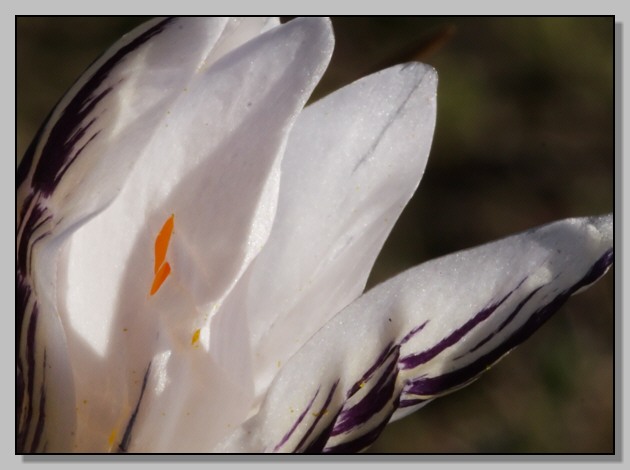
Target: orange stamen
[160,277]
[162,241]
[162,269]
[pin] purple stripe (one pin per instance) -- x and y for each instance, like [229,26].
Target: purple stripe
[430,386]
[27,160]
[33,220]
[597,271]
[32,246]
[362,442]
[506,322]
[406,402]
[316,446]
[40,223]
[544,313]
[414,360]
[511,317]
[322,411]
[24,208]
[410,335]
[58,151]
[76,138]
[41,418]
[30,367]
[23,294]
[378,363]
[296,424]
[373,401]
[124,443]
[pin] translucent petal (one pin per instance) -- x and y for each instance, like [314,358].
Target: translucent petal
[353,161]
[75,166]
[228,121]
[424,333]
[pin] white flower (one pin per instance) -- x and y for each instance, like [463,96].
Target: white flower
[193,244]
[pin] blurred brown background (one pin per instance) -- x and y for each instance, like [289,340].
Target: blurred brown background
[525,135]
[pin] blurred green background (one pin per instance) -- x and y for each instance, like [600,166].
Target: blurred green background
[524,136]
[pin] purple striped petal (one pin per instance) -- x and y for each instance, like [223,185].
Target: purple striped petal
[427,332]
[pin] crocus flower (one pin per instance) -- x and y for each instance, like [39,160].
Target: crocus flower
[193,245]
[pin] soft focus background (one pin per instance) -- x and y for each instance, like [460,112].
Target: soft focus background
[525,135]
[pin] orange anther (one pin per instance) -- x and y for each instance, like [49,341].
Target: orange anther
[162,269]
[162,241]
[160,277]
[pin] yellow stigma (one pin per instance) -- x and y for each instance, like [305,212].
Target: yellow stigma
[195,336]
[111,438]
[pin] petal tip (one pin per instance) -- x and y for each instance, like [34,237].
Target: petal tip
[604,225]
[318,30]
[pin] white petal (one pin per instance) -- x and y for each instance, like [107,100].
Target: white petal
[210,156]
[424,333]
[84,153]
[219,150]
[75,166]
[353,161]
